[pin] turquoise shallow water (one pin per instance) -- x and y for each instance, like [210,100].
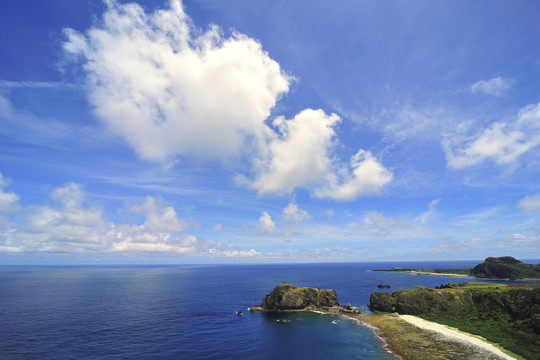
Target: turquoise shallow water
[187,312]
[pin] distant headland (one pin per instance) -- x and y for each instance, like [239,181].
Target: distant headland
[493,268]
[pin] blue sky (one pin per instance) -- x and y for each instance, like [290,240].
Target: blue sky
[268,131]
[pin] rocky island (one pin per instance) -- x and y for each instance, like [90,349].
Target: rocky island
[286,297]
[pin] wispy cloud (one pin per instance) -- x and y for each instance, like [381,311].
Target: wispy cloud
[293,217]
[530,203]
[501,142]
[380,225]
[478,217]
[6,84]
[479,246]
[9,201]
[496,86]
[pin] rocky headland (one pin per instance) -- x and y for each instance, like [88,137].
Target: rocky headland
[286,297]
[508,315]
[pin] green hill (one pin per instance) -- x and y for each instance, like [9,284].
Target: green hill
[505,267]
[505,314]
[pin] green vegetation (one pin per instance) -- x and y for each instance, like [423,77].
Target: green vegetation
[508,315]
[505,267]
[505,314]
[448,271]
[411,342]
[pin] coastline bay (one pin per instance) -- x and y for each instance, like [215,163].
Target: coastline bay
[186,311]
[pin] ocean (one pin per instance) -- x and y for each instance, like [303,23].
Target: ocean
[189,311]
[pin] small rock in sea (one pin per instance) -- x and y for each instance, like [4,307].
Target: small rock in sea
[239,312]
[283,320]
[380,286]
[335,322]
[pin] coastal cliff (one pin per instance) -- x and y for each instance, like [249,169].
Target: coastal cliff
[505,314]
[419,300]
[286,297]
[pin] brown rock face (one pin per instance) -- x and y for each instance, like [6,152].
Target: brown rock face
[382,301]
[289,297]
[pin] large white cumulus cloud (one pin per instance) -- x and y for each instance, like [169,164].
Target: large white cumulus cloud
[300,156]
[171,90]
[366,177]
[304,156]
[168,89]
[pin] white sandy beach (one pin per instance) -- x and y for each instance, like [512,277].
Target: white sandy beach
[454,334]
[440,274]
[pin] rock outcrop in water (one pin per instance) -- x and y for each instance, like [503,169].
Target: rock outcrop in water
[286,297]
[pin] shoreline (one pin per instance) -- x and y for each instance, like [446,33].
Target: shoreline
[386,345]
[413,272]
[439,274]
[410,337]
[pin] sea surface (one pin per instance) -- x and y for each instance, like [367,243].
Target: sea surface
[189,311]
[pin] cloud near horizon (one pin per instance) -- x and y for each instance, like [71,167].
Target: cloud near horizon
[69,225]
[171,90]
[380,225]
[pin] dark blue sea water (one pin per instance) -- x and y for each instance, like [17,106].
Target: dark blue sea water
[187,312]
